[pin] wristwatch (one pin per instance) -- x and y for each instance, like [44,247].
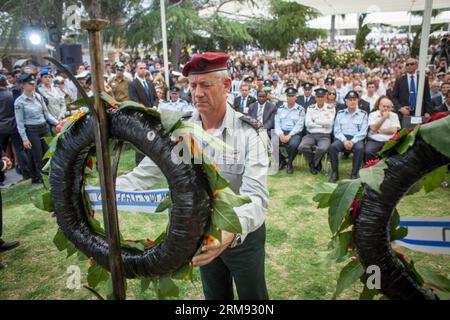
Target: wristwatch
[236,242]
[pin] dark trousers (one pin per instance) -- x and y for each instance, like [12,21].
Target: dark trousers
[244,264]
[292,148]
[17,143]
[371,149]
[314,146]
[358,154]
[35,134]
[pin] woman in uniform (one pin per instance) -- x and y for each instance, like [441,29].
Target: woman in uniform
[33,119]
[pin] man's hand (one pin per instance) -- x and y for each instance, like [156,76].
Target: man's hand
[213,250]
[405,110]
[8,163]
[348,145]
[385,114]
[27,144]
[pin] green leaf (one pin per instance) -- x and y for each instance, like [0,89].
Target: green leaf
[160,238]
[71,249]
[214,231]
[184,273]
[170,120]
[368,294]
[165,205]
[374,175]
[225,218]
[109,100]
[349,275]
[436,280]
[408,141]
[434,179]
[216,181]
[96,274]
[224,215]
[190,128]
[167,288]
[60,240]
[340,202]
[388,146]
[81,256]
[96,226]
[399,233]
[131,105]
[340,244]
[437,134]
[416,187]
[109,289]
[395,220]
[44,202]
[80,102]
[323,193]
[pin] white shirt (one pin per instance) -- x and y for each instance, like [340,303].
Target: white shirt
[371,100]
[320,120]
[340,94]
[391,122]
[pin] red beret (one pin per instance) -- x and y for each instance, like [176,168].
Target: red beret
[206,62]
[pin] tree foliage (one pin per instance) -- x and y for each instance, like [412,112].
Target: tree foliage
[287,24]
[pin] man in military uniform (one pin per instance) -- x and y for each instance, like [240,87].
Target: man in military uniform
[119,83]
[176,103]
[307,99]
[319,124]
[350,130]
[289,123]
[238,257]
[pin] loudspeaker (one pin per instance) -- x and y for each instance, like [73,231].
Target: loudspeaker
[71,54]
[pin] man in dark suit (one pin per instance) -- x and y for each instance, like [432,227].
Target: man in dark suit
[263,111]
[5,164]
[142,90]
[445,107]
[307,99]
[440,100]
[405,94]
[242,103]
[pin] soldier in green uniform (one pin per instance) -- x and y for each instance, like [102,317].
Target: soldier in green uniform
[238,258]
[120,83]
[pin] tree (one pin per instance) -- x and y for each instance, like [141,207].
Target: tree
[287,24]
[363,32]
[185,27]
[417,30]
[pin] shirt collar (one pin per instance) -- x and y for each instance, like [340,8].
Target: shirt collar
[228,122]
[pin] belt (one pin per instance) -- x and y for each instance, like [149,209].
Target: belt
[36,126]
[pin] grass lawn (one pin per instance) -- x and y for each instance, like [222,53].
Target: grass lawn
[297,232]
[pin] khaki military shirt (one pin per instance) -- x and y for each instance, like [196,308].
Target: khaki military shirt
[245,166]
[120,88]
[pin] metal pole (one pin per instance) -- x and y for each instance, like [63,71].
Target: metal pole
[164,40]
[423,55]
[110,217]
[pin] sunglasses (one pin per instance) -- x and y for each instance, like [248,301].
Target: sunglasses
[331,93]
[410,64]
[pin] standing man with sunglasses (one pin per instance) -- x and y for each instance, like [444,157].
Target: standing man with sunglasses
[405,92]
[119,83]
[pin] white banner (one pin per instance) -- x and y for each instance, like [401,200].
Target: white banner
[426,234]
[131,201]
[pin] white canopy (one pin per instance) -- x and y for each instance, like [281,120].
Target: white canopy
[338,7]
[330,7]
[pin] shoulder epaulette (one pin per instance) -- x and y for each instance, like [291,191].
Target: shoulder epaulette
[252,122]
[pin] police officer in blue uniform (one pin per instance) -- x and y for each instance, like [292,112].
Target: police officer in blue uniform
[33,117]
[289,124]
[307,99]
[350,130]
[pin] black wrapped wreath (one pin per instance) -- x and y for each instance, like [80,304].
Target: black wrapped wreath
[191,209]
[372,227]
